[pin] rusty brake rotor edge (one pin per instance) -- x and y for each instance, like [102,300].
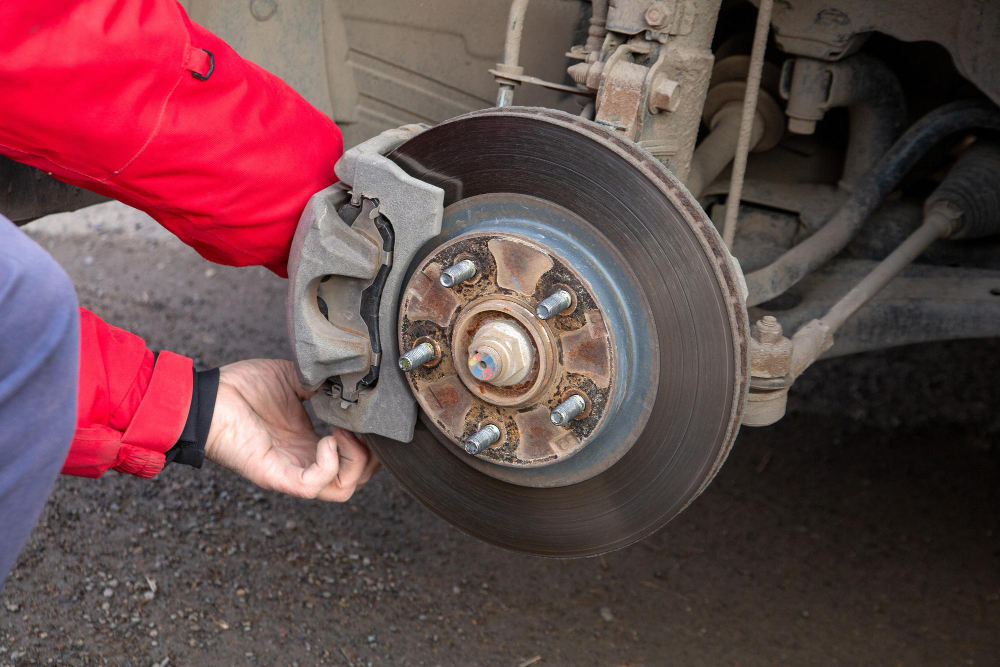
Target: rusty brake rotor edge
[559,181]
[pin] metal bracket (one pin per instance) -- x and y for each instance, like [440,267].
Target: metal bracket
[339,266]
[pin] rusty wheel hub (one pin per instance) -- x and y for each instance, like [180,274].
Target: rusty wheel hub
[501,363]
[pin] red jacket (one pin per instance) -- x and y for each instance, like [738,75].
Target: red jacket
[131,99]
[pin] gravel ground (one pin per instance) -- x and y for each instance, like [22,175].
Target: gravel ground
[862,529]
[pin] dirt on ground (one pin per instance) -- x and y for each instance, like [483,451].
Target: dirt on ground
[863,529]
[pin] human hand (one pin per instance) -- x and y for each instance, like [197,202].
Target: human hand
[260,429]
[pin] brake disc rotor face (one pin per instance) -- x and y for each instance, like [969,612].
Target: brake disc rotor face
[639,255]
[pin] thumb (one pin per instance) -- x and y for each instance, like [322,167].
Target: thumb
[310,481]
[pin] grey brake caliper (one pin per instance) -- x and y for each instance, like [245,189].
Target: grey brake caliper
[347,264]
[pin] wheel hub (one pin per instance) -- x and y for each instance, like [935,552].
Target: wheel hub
[501,362]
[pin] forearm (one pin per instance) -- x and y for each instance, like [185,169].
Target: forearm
[102,94]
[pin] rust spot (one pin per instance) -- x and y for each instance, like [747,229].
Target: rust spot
[540,438]
[448,403]
[587,350]
[621,98]
[428,299]
[519,265]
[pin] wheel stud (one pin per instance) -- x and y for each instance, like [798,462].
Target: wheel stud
[568,410]
[485,437]
[458,273]
[417,357]
[554,304]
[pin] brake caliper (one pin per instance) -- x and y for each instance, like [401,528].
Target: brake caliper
[346,269]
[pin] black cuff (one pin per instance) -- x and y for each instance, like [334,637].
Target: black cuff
[190,447]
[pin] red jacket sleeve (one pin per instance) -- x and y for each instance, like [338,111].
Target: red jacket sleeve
[130,410]
[131,99]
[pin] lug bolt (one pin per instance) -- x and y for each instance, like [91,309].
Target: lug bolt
[554,304]
[417,357]
[568,410]
[459,273]
[481,439]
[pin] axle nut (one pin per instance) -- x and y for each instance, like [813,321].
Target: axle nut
[501,353]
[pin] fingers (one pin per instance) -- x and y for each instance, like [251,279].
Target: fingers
[309,482]
[371,463]
[353,461]
[353,457]
[370,469]
[343,464]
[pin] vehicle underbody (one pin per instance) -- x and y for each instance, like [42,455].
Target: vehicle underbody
[578,245]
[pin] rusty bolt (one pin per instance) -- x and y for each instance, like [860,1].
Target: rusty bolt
[417,357]
[663,94]
[770,351]
[568,410]
[656,15]
[587,74]
[485,437]
[594,75]
[767,330]
[578,72]
[459,273]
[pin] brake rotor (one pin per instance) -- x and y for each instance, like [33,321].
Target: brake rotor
[656,338]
